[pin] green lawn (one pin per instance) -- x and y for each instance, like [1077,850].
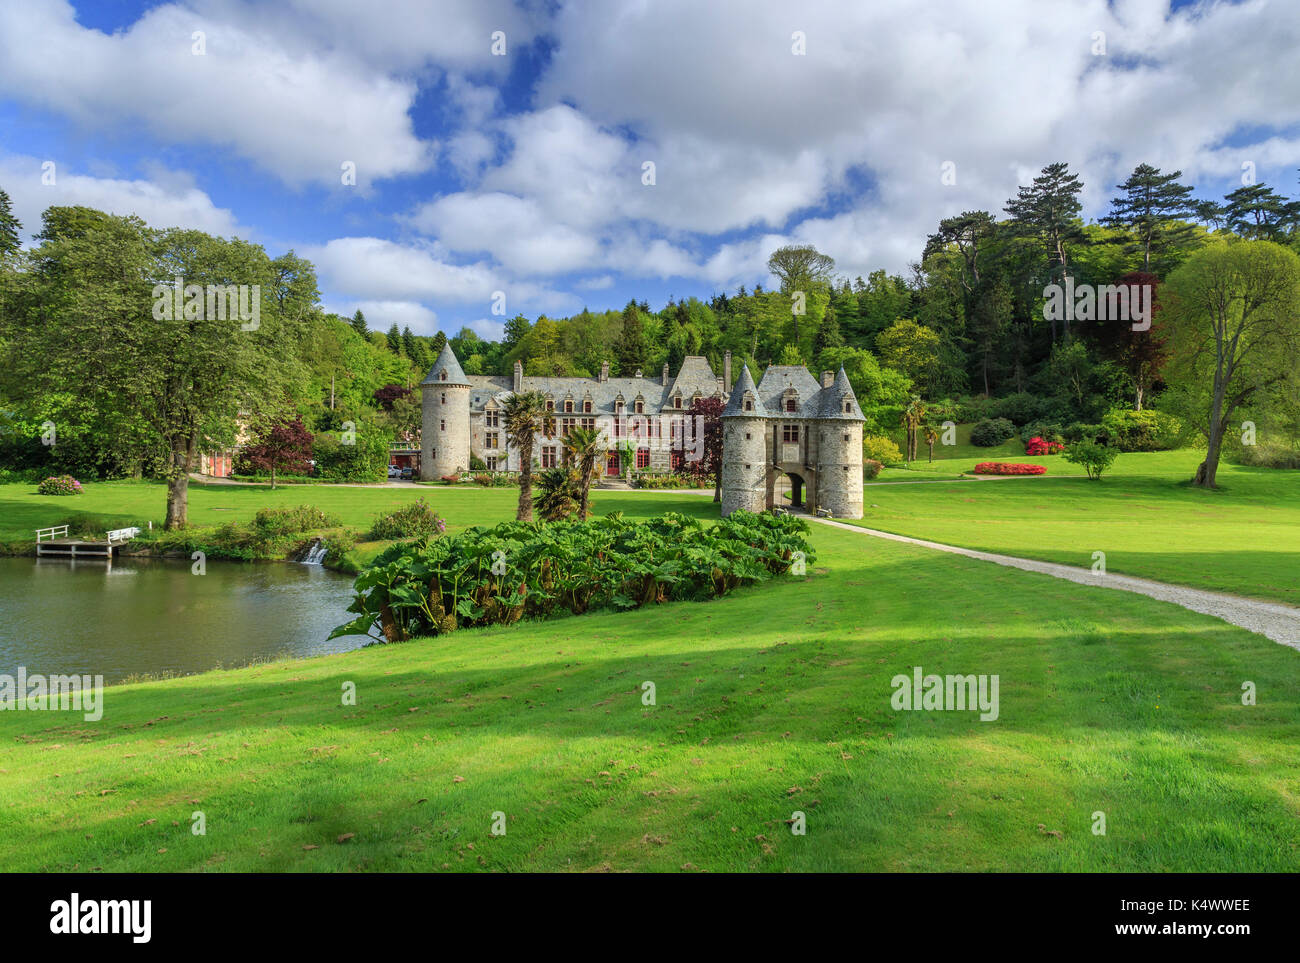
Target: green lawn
[949,461]
[772,700]
[1243,538]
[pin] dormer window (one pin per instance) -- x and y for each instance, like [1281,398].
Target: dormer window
[640,407]
[749,404]
[568,407]
[791,404]
[442,375]
[550,405]
[677,402]
[586,407]
[848,408]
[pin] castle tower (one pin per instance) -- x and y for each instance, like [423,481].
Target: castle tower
[839,444]
[744,449]
[444,439]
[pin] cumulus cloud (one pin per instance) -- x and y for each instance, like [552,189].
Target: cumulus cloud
[168,199]
[300,114]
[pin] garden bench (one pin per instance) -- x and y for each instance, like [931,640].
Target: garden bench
[122,534]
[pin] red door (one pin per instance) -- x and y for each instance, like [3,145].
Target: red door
[611,464]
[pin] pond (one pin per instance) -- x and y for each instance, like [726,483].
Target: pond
[141,616]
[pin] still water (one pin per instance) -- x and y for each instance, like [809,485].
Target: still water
[153,616]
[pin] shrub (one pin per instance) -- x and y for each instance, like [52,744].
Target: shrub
[1146,430]
[1040,446]
[871,469]
[416,520]
[1008,468]
[991,432]
[1268,456]
[292,521]
[476,463]
[59,485]
[514,570]
[1081,431]
[1020,408]
[881,449]
[652,480]
[1094,458]
[1046,430]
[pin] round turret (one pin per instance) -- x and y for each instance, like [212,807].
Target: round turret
[444,440]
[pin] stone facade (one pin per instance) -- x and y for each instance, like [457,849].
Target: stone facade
[790,424]
[463,415]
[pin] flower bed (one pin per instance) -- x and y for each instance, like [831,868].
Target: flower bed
[59,485]
[1008,468]
[1041,446]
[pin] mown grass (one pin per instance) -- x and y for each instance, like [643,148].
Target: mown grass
[772,700]
[1243,538]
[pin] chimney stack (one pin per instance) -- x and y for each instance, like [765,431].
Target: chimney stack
[604,371]
[828,378]
[726,371]
[519,376]
[665,372]
[638,373]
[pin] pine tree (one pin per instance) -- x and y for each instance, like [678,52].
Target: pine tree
[1259,213]
[632,347]
[436,344]
[1048,209]
[9,228]
[828,332]
[1151,211]
[359,323]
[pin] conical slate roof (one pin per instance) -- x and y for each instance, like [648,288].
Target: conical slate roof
[446,363]
[736,404]
[834,399]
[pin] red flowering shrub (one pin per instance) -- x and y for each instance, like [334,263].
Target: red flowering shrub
[1040,446]
[1008,468]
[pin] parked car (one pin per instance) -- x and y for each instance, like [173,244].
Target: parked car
[394,471]
[408,472]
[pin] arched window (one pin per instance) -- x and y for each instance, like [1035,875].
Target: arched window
[442,375]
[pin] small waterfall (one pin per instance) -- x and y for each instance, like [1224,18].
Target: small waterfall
[316,554]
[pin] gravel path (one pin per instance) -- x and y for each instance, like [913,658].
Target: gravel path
[1276,621]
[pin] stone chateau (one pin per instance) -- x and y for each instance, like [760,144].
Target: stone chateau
[789,424]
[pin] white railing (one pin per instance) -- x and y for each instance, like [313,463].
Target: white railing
[122,534]
[56,531]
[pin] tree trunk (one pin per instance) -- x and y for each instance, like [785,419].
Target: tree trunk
[1208,469]
[178,494]
[717,485]
[525,510]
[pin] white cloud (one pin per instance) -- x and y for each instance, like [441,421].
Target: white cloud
[168,199]
[300,115]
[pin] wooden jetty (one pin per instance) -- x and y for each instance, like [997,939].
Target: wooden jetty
[54,542]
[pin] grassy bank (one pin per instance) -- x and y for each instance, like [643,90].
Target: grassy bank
[773,700]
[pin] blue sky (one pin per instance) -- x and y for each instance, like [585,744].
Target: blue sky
[522,173]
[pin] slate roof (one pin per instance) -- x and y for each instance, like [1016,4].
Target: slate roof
[446,362]
[735,407]
[695,376]
[833,399]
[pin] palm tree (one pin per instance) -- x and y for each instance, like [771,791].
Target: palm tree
[583,447]
[912,417]
[931,436]
[526,415]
